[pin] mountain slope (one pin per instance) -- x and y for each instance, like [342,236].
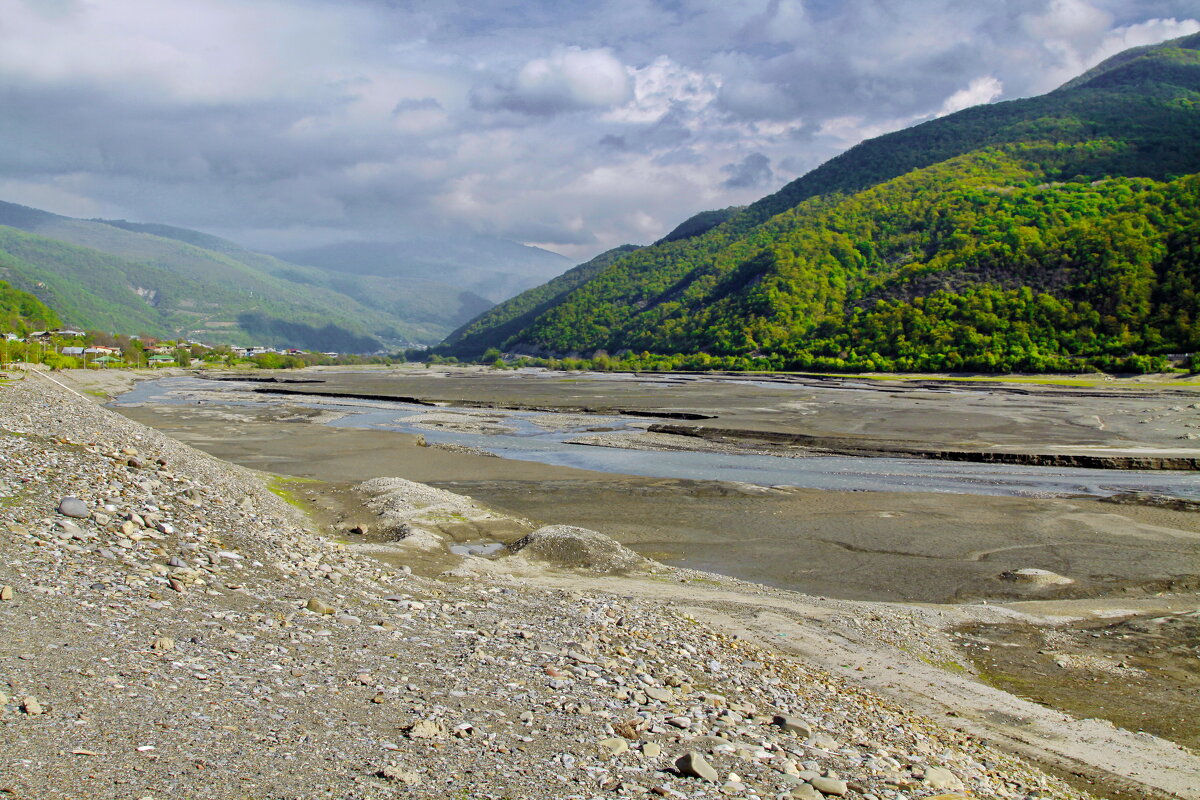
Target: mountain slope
[217,299]
[511,316]
[21,312]
[240,291]
[966,229]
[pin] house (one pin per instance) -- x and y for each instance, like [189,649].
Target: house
[72,351]
[160,360]
[66,333]
[99,350]
[107,360]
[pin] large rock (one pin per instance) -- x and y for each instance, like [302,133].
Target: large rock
[578,548]
[693,765]
[73,507]
[941,778]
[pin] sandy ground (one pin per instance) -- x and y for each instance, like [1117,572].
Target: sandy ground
[932,549]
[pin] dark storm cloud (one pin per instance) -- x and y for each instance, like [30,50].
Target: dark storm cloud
[576,125]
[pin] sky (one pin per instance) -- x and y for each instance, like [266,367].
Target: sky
[575,126]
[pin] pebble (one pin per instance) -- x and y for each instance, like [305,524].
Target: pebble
[793,725]
[268,699]
[6,592]
[318,606]
[660,694]
[615,746]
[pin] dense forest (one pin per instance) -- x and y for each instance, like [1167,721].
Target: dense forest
[1054,233]
[21,312]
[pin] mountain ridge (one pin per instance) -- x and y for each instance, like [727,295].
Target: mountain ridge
[1134,116]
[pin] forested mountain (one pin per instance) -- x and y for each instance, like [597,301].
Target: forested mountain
[513,315]
[166,281]
[1020,235]
[21,312]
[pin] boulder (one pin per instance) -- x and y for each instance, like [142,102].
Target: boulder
[693,765]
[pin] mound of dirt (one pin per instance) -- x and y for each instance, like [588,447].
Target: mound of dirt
[579,548]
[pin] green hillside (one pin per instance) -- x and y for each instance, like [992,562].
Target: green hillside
[168,281]
[21,312]
[511,316]
[1022,235]
[96,290]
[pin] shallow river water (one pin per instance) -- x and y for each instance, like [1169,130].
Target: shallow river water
[535,436]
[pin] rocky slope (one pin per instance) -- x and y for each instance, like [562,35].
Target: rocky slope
[172,628]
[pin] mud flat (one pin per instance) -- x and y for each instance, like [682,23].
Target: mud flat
[866,545]
[1119,424]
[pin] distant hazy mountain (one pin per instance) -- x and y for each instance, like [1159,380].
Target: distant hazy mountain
[509,317]
[492,268]
[167,281]
[1017,235]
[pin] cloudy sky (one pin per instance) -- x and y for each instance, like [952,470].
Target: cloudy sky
[572,125]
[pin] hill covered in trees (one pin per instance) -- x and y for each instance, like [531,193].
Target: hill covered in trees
[21,312]
[161,280]
[1035,234]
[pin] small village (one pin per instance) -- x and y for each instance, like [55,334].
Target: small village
[66,348]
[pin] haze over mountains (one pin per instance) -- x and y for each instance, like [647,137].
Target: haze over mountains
[1018,235]
[165,281]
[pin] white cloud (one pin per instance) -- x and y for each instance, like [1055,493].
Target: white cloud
[572,79]
[1151,31]
[662,86]
[215,51]
[311,119]
[979,91]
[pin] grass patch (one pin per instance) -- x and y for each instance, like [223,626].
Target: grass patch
[288,489]
[948,666]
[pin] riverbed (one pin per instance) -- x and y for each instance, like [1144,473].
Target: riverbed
[852,527]
[602,442]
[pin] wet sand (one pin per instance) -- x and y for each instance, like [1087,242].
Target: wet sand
[1092,668]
